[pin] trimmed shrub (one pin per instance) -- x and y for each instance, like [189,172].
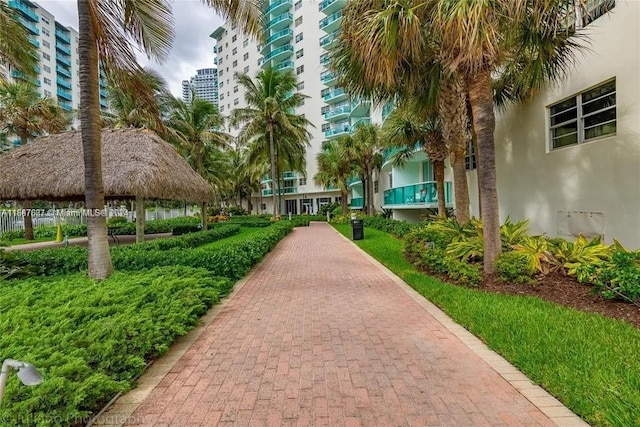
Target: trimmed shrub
[618,278]
[186,228]
[514,267]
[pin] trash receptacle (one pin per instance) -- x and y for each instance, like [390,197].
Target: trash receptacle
[357,229]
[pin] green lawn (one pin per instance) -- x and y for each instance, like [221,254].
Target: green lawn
[588,361]
[24,241]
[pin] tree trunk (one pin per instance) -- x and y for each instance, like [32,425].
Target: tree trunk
[203,214]
[185,208]
[272,156]
[365,198]
[452,107]
[370,205]
[343,201]
[26,205]
[438,171]
[100,266]
[484,122]
[140,220]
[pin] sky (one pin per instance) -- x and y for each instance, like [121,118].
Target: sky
[192,47]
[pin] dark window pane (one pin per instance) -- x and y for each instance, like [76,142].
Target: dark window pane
[599,104]
[565,140]
[566,129]
[599,91]
[564,105]
[571,114]
[602,130]
[601,117]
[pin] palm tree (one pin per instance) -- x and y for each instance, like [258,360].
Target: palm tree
[25,114]
[106,30]
[482,39]
[15,48]
[194,127]
[404,128]
[334,169]
[270,115]
[364,148]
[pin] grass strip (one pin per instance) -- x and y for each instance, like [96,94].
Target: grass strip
[588,361]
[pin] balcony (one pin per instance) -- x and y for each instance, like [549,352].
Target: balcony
[65,105]
[331,23]
[103,93]
[62,48]
[34,42]
[286,65]
[62,36]
[330,6]
[386,110]
[341,112]
[63,83]
[278,54]
[335,95]
[30,26]
[280,22]
[417,196]
[324,59]
[326,41]
[337,131]
[357,202]
[20,75]
[328,77]
[279,6]
[286,190]
[62,60]
[360,107]
[63,71]
[64,94]
[25,10]
[359,122]
[277,39]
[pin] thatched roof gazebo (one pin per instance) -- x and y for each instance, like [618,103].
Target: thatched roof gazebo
[136,164]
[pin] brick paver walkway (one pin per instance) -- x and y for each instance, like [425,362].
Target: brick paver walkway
[321,336]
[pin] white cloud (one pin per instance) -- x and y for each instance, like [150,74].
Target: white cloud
[192,47]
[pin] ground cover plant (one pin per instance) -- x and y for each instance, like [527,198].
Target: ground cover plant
[590,362]
[90,340]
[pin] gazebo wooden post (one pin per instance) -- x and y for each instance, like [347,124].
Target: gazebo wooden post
[203,213]
[140,219]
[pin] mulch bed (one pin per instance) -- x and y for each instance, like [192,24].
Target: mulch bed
[566,291]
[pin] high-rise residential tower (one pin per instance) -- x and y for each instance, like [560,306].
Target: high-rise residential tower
[203,85]
[297,37]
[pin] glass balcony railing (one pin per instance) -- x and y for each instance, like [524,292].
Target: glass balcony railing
[63,83]
[26,11]
[62,48]
[278,6]
[331,23]
[286,190]
[280,20]
[61,59]
[360,122]
[63,71]
[335,112]
[284,50]
[33,29]
[423,194]
[64,94]
[285,65]
[65,105]
[336,93]
[34,42]
[61,35]
[337,131]
[285,34]
[357,202]
[329,6]
[328,39]
[327,76]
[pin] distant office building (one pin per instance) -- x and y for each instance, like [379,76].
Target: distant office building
[204,85]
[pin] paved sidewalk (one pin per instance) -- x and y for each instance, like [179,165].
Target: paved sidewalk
[320,335]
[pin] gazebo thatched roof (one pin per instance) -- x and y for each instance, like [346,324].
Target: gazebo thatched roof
[135,163]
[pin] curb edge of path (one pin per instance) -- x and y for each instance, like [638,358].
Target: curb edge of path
[555,410]
[120,411]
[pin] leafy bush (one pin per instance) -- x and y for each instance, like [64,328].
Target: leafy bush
[395,227]
[88,340]
[463,272]
[514,267]
[535,250]
[513,233]
[300,221]
[236,211]
[571,256]
[330,207]
[12,267]
[116,220]
[618,278]
[435,260]
[185,228]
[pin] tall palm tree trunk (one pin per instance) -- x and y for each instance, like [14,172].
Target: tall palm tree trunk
[484,123]
[100,266]
[26,205]
[438,171]
[460,187]
[369,190]
[272,156]
[343,200]
[365,197]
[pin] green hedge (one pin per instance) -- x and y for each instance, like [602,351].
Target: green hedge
[90,340]
[74,259]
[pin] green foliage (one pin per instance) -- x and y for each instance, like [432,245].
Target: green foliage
[116,220]
[588,361]
[330,207]
[514,267]
[12,267]
[300,221]
[236,211]
[570,256]
[513,233]
[90,340]
[618,278]
[186,228]
[395,227]
[463,272]
[535,250]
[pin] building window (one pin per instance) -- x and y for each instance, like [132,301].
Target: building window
[300,53]
[376,186]
[298,21]
[234,38]
[219,49]
[221,61]
[246,69]
[46,69]
[47,93]
[221,85]
[236,101]
[235,63]
[46,56]
[47,81]
[245,56]
[221,73]
[44,19]
[302,181]
[299,37]
[46,44]
[46,32]
[298,5]
[324,58]
[221,96]
[234,51]
[245,43]
[326,127]
[300,86]
[325,91]
[235,89]
[390,180]
[470,161]
[584,117]
[300,69]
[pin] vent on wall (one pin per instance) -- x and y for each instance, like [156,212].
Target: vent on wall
[573,223]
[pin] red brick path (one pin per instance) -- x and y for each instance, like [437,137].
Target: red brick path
[320,336]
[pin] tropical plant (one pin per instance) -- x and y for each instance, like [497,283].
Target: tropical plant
[106,30]
[270,125]
[334,169]
[535,251]
[512,233]
[15,48]
[570,256]
[514,267]
[25,114]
